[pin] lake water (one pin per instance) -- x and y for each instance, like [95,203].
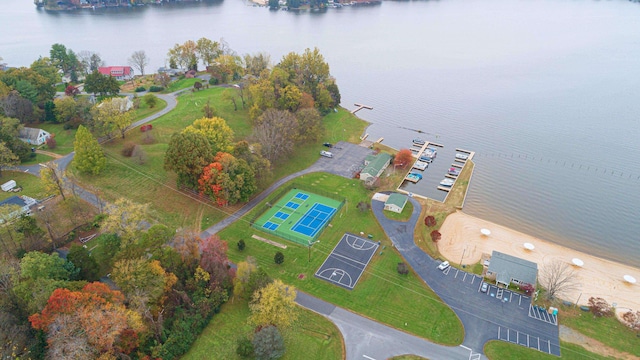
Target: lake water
[545,92]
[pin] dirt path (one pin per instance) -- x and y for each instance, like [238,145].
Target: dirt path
[569,335]
[53,155]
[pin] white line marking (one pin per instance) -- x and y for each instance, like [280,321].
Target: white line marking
[464,347]
[367,357]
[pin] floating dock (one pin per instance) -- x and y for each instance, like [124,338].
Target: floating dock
[443,188]
[360,107]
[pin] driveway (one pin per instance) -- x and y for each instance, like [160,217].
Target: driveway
[485,317]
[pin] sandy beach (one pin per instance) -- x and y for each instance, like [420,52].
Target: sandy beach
[598,277]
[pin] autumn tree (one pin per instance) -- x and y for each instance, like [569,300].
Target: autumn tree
[430,221]
[90,61]
[114,115]
[124,218]
[435,236]
[53,179]
[7,157]
[184,55]
[187,155]
[252,154]
[151,100]
[215,262]
[82,260]
[309,125]
[14,105]
[66,108]
[217,132]
[139,60]
[143,281]
[208,51]
[255,64]
[227,180]
[403,158]
[89,323]
[276,132]
[243,275]
[89,157]
[558,278]
[632,319]
[275,305]
[600,307]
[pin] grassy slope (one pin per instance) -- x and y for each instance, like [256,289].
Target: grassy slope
[404,302]
[64,138]
[31,185]
[500,350]
[313,334]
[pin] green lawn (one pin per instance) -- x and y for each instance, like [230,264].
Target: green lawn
[144,110]
[382,294]
[607,330]
[501,350]
[313,336]
[403,216]
[64,138]
[38,159]
[182,84]
[31,185]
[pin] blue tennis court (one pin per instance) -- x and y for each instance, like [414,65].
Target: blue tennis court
[270,226]
[314,220]
[281,215]
[302,196]
[292,205]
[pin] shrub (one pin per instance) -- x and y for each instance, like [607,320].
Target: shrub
[244,348]
[155,88]
[213,81]
[151,100]
[140,89]
[278,258]
[51,142]
[430,221]
[600,307]
[241,245]
[197,85]
[403,269]
[127,149]
[436,236]
[268,343]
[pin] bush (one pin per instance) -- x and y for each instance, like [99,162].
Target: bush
[403,269]
[213,81]
[241,245]
[155,88]
[244,348]
[51,143]
[278,258]
[436,236]
[430,221]
[268,343]
[600,307]
[127,149]
[151,100]
[140,89]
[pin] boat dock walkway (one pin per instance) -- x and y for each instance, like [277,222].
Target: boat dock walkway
[360,107]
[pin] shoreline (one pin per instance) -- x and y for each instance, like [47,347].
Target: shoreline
[599,277]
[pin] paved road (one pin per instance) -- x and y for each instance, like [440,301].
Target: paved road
[484,316]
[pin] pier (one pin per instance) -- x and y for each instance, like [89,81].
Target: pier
[360,107]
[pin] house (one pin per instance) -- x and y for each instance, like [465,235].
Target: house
[507,269]
[395,202]
[118,72]
[23,204]
[374,165]
[33,136]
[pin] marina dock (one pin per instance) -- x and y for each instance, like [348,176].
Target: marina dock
[360,107]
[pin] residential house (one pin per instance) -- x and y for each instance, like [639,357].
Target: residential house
[23,204]
[374,165]
[118,72]
[33,136]
[507,269]
[396,202]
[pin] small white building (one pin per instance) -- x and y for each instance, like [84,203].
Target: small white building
[9,185]
[33,136]
[396,202]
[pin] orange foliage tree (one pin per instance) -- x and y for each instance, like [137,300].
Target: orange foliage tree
[227,180]
[403,158]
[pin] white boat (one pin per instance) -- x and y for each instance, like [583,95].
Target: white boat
[447,182]
[462,156]
[420,165]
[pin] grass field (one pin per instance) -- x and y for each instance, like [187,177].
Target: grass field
[39,158]
[501,350]
[289,216]
[404,302]
[31,185]
[313,337]
[64,138]
[181,84]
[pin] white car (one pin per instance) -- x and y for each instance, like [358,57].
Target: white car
[326,154]
[443,266]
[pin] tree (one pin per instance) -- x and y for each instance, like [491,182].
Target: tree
[104,85]
[9,130]
[600,307]
[142,281]
[208,51]
[632,319]
[275,305]
[113,114]
[430,221]
[255,64]
[558,279]
[184,55]
[80,257]
[244,347]
[90,61]
[268,344]
[276,132]
[309,125]
[38,265]
[89,157]
[187,155]
[66,108]
[435,236]
[16,106]
[216,130]
[53,179]
[228,95]
[65,60]
[243,276]
[364,206]
[278,258]
[252,154]
[241,245]
[7,157]
[151,100]
[124,218]
[139,60]
[215,262]
[403,158]
[227,180]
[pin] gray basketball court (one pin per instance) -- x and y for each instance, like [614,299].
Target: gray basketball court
[346,263]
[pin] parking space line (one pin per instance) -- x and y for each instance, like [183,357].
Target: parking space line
[465,277]
[456,276]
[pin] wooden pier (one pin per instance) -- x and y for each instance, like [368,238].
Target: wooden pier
[443,188]
[360,107]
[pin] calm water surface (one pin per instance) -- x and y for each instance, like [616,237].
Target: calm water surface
[544,91]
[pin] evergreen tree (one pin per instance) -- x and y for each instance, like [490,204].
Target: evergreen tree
[89,156]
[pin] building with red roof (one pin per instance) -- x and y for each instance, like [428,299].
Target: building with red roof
[118,72]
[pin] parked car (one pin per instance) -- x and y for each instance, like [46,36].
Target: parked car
[484,287]
[443,266]
[329,145]
[326,154]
